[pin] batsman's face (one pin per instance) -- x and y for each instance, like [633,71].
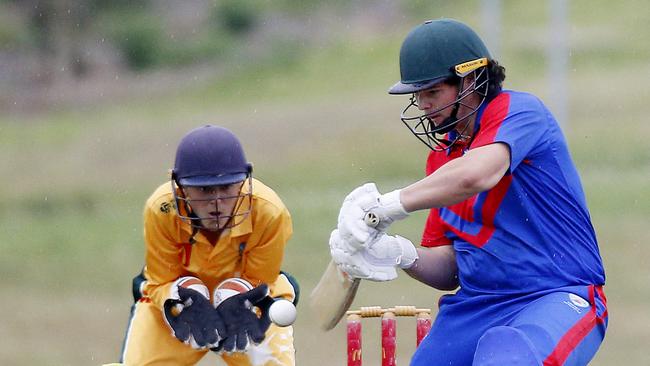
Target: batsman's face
[214,205]
[437,101]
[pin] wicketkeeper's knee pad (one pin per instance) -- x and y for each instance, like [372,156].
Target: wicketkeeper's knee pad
[286,286]
[505,346]
[137,286]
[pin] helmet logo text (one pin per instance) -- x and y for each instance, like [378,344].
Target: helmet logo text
[165,207]
[466,67]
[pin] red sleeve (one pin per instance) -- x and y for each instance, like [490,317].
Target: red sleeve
[433,234]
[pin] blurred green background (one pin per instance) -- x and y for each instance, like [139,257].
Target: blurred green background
[95,95]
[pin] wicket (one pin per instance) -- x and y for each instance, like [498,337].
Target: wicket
[388,330]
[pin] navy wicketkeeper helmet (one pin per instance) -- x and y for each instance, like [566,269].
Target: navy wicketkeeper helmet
[211,156]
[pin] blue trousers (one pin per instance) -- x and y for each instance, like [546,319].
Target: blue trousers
[559,327]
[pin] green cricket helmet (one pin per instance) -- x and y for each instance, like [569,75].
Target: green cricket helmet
[433,52]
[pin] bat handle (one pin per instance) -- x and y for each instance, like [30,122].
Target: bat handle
[371,219]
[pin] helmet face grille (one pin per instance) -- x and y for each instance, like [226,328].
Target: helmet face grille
[436,134]
[240,212]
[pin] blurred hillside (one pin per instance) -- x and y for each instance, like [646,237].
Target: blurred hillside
[74,52]
[305,88]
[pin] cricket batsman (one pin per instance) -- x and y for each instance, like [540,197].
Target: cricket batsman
[508,225]
[212,221]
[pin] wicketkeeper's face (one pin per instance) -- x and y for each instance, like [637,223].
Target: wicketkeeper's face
[214,205]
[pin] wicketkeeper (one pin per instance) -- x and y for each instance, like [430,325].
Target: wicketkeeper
[210,222]
[508,224]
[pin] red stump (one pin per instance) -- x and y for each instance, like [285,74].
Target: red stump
[388,339]
[354,340]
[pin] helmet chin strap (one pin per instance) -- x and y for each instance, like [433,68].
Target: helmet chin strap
[449,123]
[446,126]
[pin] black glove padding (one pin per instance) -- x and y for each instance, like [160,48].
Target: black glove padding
[241,322]
[197,319]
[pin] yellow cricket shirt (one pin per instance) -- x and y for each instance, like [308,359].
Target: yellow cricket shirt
[252,250]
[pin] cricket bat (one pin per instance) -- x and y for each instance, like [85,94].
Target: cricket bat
[332,296]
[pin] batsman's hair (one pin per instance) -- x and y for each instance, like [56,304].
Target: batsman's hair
[496,74]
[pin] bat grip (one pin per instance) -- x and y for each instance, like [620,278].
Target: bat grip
[371,219]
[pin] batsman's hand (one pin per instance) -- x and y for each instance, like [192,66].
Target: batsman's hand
[377,261]
[243,325]
[353,230]
[365,213]
[386,209]
[192,319]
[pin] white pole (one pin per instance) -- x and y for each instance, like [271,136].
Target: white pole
[491,26]
[558,58]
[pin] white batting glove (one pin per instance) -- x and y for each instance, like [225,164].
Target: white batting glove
[356,266]
[354,262]
[337,244]
[376,262]
[387,209]
[391,250]
[353,230]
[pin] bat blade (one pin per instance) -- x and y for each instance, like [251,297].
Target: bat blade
[332,296]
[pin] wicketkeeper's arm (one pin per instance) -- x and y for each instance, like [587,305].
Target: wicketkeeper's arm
[163,253]
[264,252]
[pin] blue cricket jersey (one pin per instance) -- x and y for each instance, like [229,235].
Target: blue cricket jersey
[532,231]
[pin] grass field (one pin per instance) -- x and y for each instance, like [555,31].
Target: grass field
[76,180]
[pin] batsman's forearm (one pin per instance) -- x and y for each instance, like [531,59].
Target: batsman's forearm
[459,179]
[449,185]
[436,267]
